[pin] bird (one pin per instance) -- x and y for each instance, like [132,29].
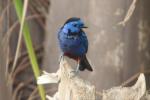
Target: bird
[73,42]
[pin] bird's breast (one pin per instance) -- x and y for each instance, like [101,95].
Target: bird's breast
[72,44]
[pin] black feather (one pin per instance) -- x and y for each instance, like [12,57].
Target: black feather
[72,19]
[84,64]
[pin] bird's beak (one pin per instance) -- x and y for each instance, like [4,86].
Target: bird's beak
[84,27]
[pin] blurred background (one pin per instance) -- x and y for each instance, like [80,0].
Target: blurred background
[117,52]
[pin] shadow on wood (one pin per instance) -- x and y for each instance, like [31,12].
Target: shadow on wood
[72,87]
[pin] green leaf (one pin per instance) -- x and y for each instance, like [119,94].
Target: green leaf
[26,34]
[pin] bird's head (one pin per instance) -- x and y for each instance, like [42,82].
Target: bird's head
[73,25]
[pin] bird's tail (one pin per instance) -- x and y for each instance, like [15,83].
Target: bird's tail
[84,64]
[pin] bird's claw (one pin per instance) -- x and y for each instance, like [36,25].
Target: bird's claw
[73,73]
[61,58]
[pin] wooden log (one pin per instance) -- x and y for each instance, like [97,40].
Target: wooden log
[73,87]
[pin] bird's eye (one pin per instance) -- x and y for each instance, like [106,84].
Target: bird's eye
[75,25]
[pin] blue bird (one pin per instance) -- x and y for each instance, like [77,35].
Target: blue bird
[74,43]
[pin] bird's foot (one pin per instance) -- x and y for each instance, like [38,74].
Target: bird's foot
[77,69]
[61,57]
[74,73]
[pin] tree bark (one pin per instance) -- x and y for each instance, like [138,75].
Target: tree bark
[73,87]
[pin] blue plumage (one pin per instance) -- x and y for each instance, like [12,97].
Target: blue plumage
[73,42]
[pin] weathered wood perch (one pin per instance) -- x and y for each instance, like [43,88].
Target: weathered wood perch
[72,87]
